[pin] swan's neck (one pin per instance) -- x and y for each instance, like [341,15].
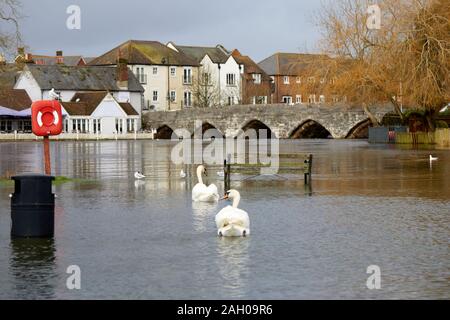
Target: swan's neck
[236,200]
[199,175]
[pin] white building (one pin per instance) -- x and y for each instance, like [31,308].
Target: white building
[123,86]
[99,113]
[218,65]
[166,75]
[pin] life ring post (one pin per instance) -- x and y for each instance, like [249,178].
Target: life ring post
[48,170]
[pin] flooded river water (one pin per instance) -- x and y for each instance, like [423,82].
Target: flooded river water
[368,205]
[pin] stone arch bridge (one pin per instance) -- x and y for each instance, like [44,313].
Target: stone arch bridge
[283,121]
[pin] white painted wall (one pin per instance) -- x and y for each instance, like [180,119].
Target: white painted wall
[27,82]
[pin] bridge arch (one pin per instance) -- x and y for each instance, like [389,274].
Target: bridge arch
[360,130]
[310,129]
[164,133]
[210,129]
[257,126]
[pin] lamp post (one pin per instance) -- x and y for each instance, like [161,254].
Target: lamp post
[164,61]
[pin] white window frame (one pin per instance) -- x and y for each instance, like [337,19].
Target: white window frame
[174,73]
[298,99]
[155,71]
[188,94]
[285,79]
[231,79]
[298,80]
[286,99]
[256,78]
[153,96]
[173,96]
[187,75]
[322,98]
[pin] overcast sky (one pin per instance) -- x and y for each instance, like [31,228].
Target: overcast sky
[257,28]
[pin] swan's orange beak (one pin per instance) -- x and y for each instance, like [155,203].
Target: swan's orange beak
[225,197]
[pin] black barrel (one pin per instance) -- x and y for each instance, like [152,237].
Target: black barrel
[33,206]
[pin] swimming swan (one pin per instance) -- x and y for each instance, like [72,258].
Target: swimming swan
[433,158]
[138,175]
[231,221]
[204,193]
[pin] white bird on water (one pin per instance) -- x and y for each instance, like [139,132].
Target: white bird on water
[204,193]
[221,174]
[232,221]
[139,175]
[182,174]
[433,158]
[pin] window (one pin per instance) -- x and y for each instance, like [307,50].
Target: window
[141,76]
[187,99]
[272,78]
[298,98]
[256,78]
[312,99]
[173,96]
[187,76]
[259,100]
[173,71]
[119,125]
[286,79]
[231,79]
[287,99]
[155,71]
[322,98]
[298,80]
[231,100]
[206,78]
[155,96]
[130,125]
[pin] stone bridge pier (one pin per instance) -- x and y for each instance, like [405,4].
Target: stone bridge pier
[282,121]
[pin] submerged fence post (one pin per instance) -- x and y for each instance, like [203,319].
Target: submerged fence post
[227,172]
[307,166]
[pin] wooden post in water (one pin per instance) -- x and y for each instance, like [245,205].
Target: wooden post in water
[47,164]
[307,167]
[227,173]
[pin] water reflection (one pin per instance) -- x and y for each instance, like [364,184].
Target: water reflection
[33,270]
[233,263]
[203,214]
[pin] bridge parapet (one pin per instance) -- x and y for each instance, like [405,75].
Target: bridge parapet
[283,120]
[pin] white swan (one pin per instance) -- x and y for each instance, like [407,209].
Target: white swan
[139,175]
[221,174]
[231,221]
[182,174]
[204,193]
[433,158]
[53,95]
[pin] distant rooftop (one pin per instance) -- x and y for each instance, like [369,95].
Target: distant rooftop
[217,54]
[144,53]
[290,64]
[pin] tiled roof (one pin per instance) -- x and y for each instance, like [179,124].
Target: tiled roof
[249,65]
[9,73]
[216,54]
[84,103]
[290,64]
[51,60]
[82,78]
[128,109]
[15,99]
[144,53]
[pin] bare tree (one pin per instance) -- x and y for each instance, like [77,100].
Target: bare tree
[9,25]
[404,62]
[205,89]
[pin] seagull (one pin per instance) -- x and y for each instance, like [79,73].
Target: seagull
[433,158]
[182,174]
[221,174]
[138,175]
[53,95]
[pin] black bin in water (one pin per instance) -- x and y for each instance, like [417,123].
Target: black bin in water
[33,206]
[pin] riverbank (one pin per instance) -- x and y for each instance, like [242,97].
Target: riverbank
[77,136]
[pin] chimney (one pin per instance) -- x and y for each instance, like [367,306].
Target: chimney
[122,73]
[59,57]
